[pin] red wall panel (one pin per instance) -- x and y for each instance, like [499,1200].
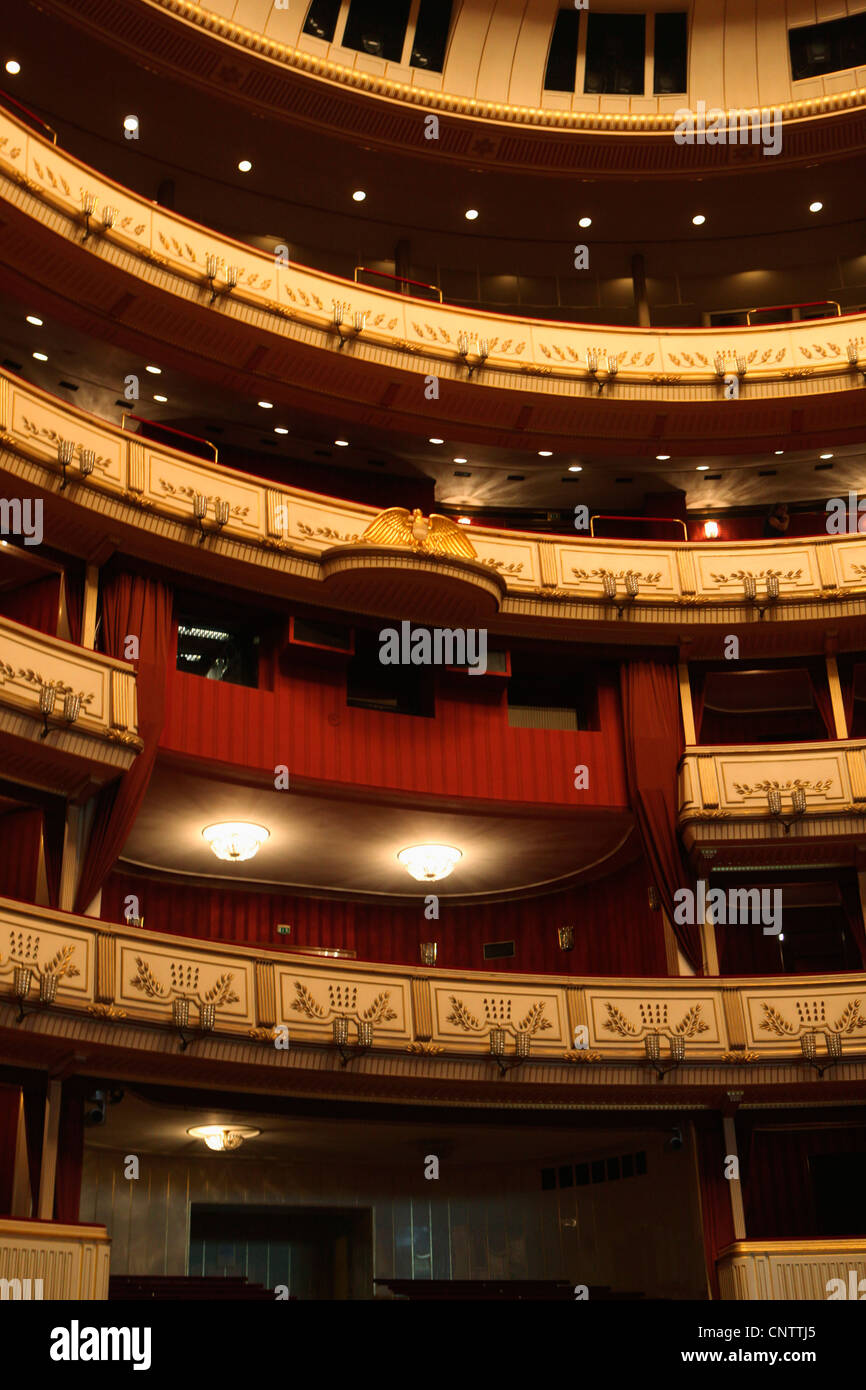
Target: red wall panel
[467,750]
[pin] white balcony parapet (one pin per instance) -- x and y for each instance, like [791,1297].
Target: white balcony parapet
[801,1270]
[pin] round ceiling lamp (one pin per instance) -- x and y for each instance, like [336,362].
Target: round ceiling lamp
[223,1138]
[235,839]
[429,862]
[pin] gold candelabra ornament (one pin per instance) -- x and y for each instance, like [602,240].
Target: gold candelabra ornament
[798,806]
[88,210]
[348,332]
[609,589]
[809,1049]
[429,951]
[21,978]
[612,371]
[498,1040]
[464,348]
[341,1038]
[652,1049]
[213,272]
[65,455]
[565,937]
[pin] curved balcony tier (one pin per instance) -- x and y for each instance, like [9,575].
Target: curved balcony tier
[117,989]
[226,311]
[299,545]
[490,97]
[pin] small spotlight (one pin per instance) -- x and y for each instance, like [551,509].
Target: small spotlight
[826,456]
[460,460]
[37,323]
[779,453]
[711,530]
[815,207]
[545,453]
[575,468]
[585,222]
[662,458]
[245,166]
[130,123]
[702,468]
[13,67]
[163,400]
[471,214]
[154,371]
[435,441]
[699,220]
[342,443]
[359,195]
[464,521]
[40,357]
[266,405]
[280,429]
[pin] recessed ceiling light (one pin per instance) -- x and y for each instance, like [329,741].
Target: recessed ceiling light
[662,457]
[545,453]
[585,222]
[13,67]
[703,467]
[245,166]
[130,123]
[575,468]
[826,456]
[40,357]
[359,195]
[470,214]
[459,460]
[699,220]
[815,207]
[154,371]
[37,323]
[779,452]
[235,840]
[342,443]
[162,399]
[266,405]
[426,862]
[280,429]
[464,521]
[435,441]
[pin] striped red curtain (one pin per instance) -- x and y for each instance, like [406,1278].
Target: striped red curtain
[716,1213]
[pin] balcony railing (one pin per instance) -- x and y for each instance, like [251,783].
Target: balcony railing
[777,1270]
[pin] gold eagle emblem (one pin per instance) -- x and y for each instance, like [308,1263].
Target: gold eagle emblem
[433,535]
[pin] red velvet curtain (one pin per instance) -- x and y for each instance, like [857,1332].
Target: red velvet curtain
[70,1152]
[132,605]
[10,1103]
[74,591]
[21,837]
[778,1191]
[821,695]
[616,933]
[34,1128]
[653,747]
[716,1214]
[36,605]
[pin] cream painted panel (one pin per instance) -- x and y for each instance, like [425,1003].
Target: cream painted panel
[744,778]
[497,57]
[226,8]
[619,1020]
[741,59]
[777,1016]
[48,949]
[721,573]
[800,12]
[707,53]
[254,14]
[286,26]
[174,483]
[517,561]
[149,976]
[466,45]
[466,1012]
[583,568]
[41,426]
[308,1001]
[773,61]
[530,55]
[320,525]
[830,9]
[850,560]
[29,658]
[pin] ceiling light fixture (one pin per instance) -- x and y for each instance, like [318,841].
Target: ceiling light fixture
[461,460]
[464,521]
[662,457]
[702,467]
[711,530]
[342,443]
[245,166]
[575,468]
[235,840]
[130,123]
[429,862]
[37,323]
[585,222]
[815,207]
[280,429]
[545,453]
[154,371]
[779,453]
[13,67]
[266,405]
[470,214]
[826,456]
[163,400]
[359,195]
[223,1138]
[699,220]
[435,441]
[40,357]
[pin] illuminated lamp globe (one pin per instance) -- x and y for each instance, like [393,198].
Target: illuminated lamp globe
[236,839]
[429,862]
[223,1138]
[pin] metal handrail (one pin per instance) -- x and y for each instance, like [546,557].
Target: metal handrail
[400,279]
[609,516]
[807,304]
[5,97]
[171,430]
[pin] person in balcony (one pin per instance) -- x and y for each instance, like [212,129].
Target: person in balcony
[777,521]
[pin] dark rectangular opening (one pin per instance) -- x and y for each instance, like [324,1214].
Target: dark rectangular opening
[315,1252]
[549,690]
[377,27]
[615,50]
[321,19]
[562,58]
[566,1175]
[392,689]
[840,1197]
[817,49]
[497,950]
[431,35]
[218,648]
[670,54]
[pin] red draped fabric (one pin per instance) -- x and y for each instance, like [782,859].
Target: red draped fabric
[132,605]
[653,747]
[36,605]
[74,591]
[34,1127]
[70,1152]
[716,1214]
[10,1104]
[615,931]
[740,724]
[20,841]
[778,1191]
